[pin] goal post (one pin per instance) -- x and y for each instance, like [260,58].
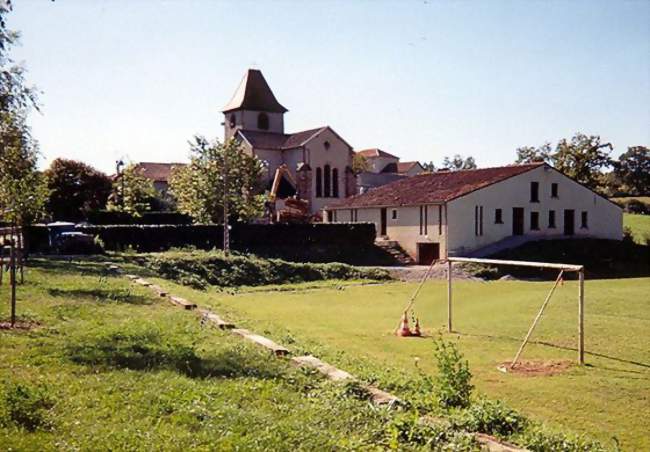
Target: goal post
[563,268]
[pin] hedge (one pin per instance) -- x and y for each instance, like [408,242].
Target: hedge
[318,242]
[109,217]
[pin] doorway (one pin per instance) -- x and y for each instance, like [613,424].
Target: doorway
[382,225]
[569,222]
[428,252]
[517,221]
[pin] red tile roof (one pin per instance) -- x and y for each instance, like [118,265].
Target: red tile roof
[431,188]
[279,141]
[405,167]
[157,172]
[253,93]
[375,152]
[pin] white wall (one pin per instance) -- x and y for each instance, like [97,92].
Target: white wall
[339,156]
[605,220]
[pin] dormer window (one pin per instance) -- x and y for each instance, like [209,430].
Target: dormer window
[233,120]
[263,121]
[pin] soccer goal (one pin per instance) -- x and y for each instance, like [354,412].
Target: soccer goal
[562,268]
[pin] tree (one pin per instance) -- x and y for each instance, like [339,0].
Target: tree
[75,189]
[360,164]
[632,170]
[529,154]
[583,158]
[457,162]
[199,187]
[132,192]
[429,167]
[22,188]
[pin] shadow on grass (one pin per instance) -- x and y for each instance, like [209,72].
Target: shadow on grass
[150,351]
[85,266]
[561,347]
[111,295]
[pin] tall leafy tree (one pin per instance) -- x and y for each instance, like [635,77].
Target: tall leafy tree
[22,188]
[75,189]
[458,162]
[632,170]
[583,158]
[360,163]
[132,193]
[429,167]
[218,172]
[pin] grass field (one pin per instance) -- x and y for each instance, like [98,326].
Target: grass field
[110,367]
[640,225]
[352,326]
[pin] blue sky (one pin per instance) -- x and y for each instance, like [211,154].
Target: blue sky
[422,79]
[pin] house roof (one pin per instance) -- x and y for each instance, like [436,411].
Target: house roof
[253,93]
[432,188]
[279,141]
[158,172]
[405,167]
[375,152]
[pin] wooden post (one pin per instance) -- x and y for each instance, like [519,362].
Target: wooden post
[449,296]
[581,316]
[21,257]
[12,279]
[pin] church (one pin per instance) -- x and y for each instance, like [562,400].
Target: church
[315,165]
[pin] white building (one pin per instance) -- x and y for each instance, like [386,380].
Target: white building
[384,168]
[471,212]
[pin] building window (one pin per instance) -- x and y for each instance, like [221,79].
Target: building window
[326,145]
[356,215]
[584,224]
[319,183]
[534,221]
[393,214]
[551,219]
[498,216]
[554,190]
[426,219]
[440,220]
[478,220]
[351,215]
[263,121]
[335,183]
[534,192]
[327,181]
[233,120]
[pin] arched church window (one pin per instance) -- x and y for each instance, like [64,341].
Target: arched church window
[319,183]
[327,145]
[335,183]
[327,179]
[233,120]
[263,121]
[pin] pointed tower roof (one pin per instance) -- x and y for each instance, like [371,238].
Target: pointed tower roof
[253,93]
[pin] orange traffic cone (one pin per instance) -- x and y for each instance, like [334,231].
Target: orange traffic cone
[404,327]
[417,331]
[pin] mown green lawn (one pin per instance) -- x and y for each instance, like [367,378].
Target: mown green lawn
[639,224]
[352,326]
[110,367]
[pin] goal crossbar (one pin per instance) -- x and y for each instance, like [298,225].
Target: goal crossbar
[562,267]
[565,267]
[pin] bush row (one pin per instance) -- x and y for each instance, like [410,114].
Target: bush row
[200,269]
[103,217]
[633,205]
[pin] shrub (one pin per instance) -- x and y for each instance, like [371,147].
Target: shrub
[492,417]
[27,406]
[453,381]
[410,429]
[539,440]
[636,206]
[199,269]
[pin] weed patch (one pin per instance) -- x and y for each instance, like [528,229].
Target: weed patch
[26,406]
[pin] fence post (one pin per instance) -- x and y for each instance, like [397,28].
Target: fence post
[449,296]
